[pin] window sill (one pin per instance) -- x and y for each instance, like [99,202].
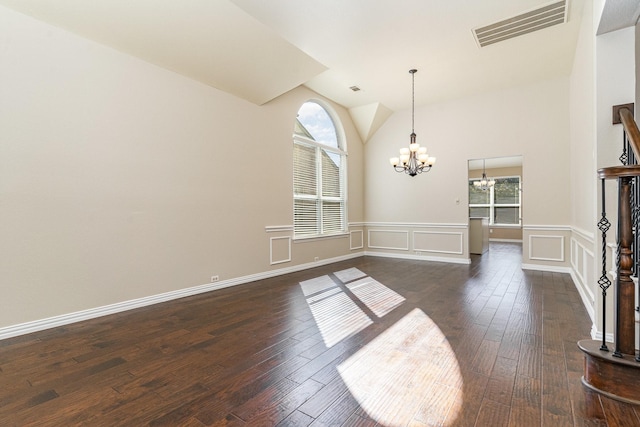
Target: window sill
[303,239]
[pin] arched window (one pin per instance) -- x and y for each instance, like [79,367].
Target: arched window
[319,173]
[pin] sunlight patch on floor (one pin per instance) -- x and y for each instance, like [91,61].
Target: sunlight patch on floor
[396,378]
[317,284]
[376,296]
[336,313]
[349,274]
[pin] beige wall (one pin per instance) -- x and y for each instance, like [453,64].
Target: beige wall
[530,121]
[497,172]
[120,180]
[583,159]
[497,233]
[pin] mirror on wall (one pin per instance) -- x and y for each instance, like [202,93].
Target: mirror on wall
[495,197]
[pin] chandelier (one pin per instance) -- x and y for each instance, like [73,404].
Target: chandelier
[413,160]
[485,183]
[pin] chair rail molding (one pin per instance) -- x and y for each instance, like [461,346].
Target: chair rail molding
[278,228]
[416,225]
[589,236]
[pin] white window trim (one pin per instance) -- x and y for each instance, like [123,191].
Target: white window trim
[343,180]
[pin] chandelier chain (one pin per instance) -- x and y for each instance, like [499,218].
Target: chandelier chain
[413,100]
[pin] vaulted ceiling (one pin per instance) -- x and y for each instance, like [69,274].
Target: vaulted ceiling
[259,49]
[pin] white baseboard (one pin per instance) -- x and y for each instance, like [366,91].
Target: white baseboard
[419,257]
[549,268]
[92,313]
[506,240]
[586,300]
[597,335]
[65,319]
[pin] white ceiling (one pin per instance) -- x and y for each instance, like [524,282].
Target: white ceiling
[259,49]
[618,14]
[373,44]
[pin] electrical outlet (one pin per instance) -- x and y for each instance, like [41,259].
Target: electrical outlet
[215,278]
[316,259]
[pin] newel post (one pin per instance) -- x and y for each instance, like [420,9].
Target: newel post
[625,292]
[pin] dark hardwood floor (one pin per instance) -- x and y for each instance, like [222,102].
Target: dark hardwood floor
[384,342]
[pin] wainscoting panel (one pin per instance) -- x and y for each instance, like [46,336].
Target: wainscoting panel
[280,249]
[356,239]
[389,239]
[419,241]
[444,242]
[583,271]
[574,254]
[546,247]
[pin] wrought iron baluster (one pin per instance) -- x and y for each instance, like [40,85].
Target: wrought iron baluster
[635,200]
[635,213]
[624,157]
[604,281]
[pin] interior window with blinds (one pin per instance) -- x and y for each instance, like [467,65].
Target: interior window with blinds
[500,203]
[319,162]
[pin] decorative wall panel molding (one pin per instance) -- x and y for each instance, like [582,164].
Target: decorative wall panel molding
[388,239]
[582,273]
[280,250]
[356,240]
[544,247]
[444,242]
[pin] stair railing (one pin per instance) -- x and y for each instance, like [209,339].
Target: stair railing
[617,374]
[628,238]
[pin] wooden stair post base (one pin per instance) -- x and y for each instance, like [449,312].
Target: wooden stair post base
[614,377]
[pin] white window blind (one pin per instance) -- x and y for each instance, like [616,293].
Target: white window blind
[318,174]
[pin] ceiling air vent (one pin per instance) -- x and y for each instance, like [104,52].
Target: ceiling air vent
[528,22]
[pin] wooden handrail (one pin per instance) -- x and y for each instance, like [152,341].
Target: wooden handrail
[631,128]
[613,172]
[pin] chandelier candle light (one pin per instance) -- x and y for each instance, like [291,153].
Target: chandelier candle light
[413,160]
[484,183]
